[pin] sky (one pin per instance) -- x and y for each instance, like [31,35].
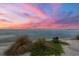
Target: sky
[39,16]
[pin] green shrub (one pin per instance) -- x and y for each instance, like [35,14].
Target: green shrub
[45,48]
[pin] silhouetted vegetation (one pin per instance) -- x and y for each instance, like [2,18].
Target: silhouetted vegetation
[77,37]
[55,39]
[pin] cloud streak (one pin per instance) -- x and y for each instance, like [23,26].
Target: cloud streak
[37,16]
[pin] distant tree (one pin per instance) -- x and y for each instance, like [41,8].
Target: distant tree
[55,39]
[77,37]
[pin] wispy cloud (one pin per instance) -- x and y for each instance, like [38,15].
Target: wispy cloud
[37,16]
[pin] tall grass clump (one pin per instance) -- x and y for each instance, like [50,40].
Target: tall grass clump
[46,48]
[41,48]
[22,45]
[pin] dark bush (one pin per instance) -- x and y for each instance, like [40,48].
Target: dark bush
[77,37]
[55,39]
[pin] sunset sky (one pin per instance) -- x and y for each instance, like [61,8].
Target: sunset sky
[39,16]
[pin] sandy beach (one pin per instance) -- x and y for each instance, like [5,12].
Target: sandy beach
[72,49]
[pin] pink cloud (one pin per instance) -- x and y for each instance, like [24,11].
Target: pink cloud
[33,9]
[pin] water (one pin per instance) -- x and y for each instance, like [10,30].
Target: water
[12,33]
[6,36]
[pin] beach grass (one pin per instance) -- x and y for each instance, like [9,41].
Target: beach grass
[46,48]
[41,47]
[21,46]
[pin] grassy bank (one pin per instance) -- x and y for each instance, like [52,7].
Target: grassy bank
[41,47]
